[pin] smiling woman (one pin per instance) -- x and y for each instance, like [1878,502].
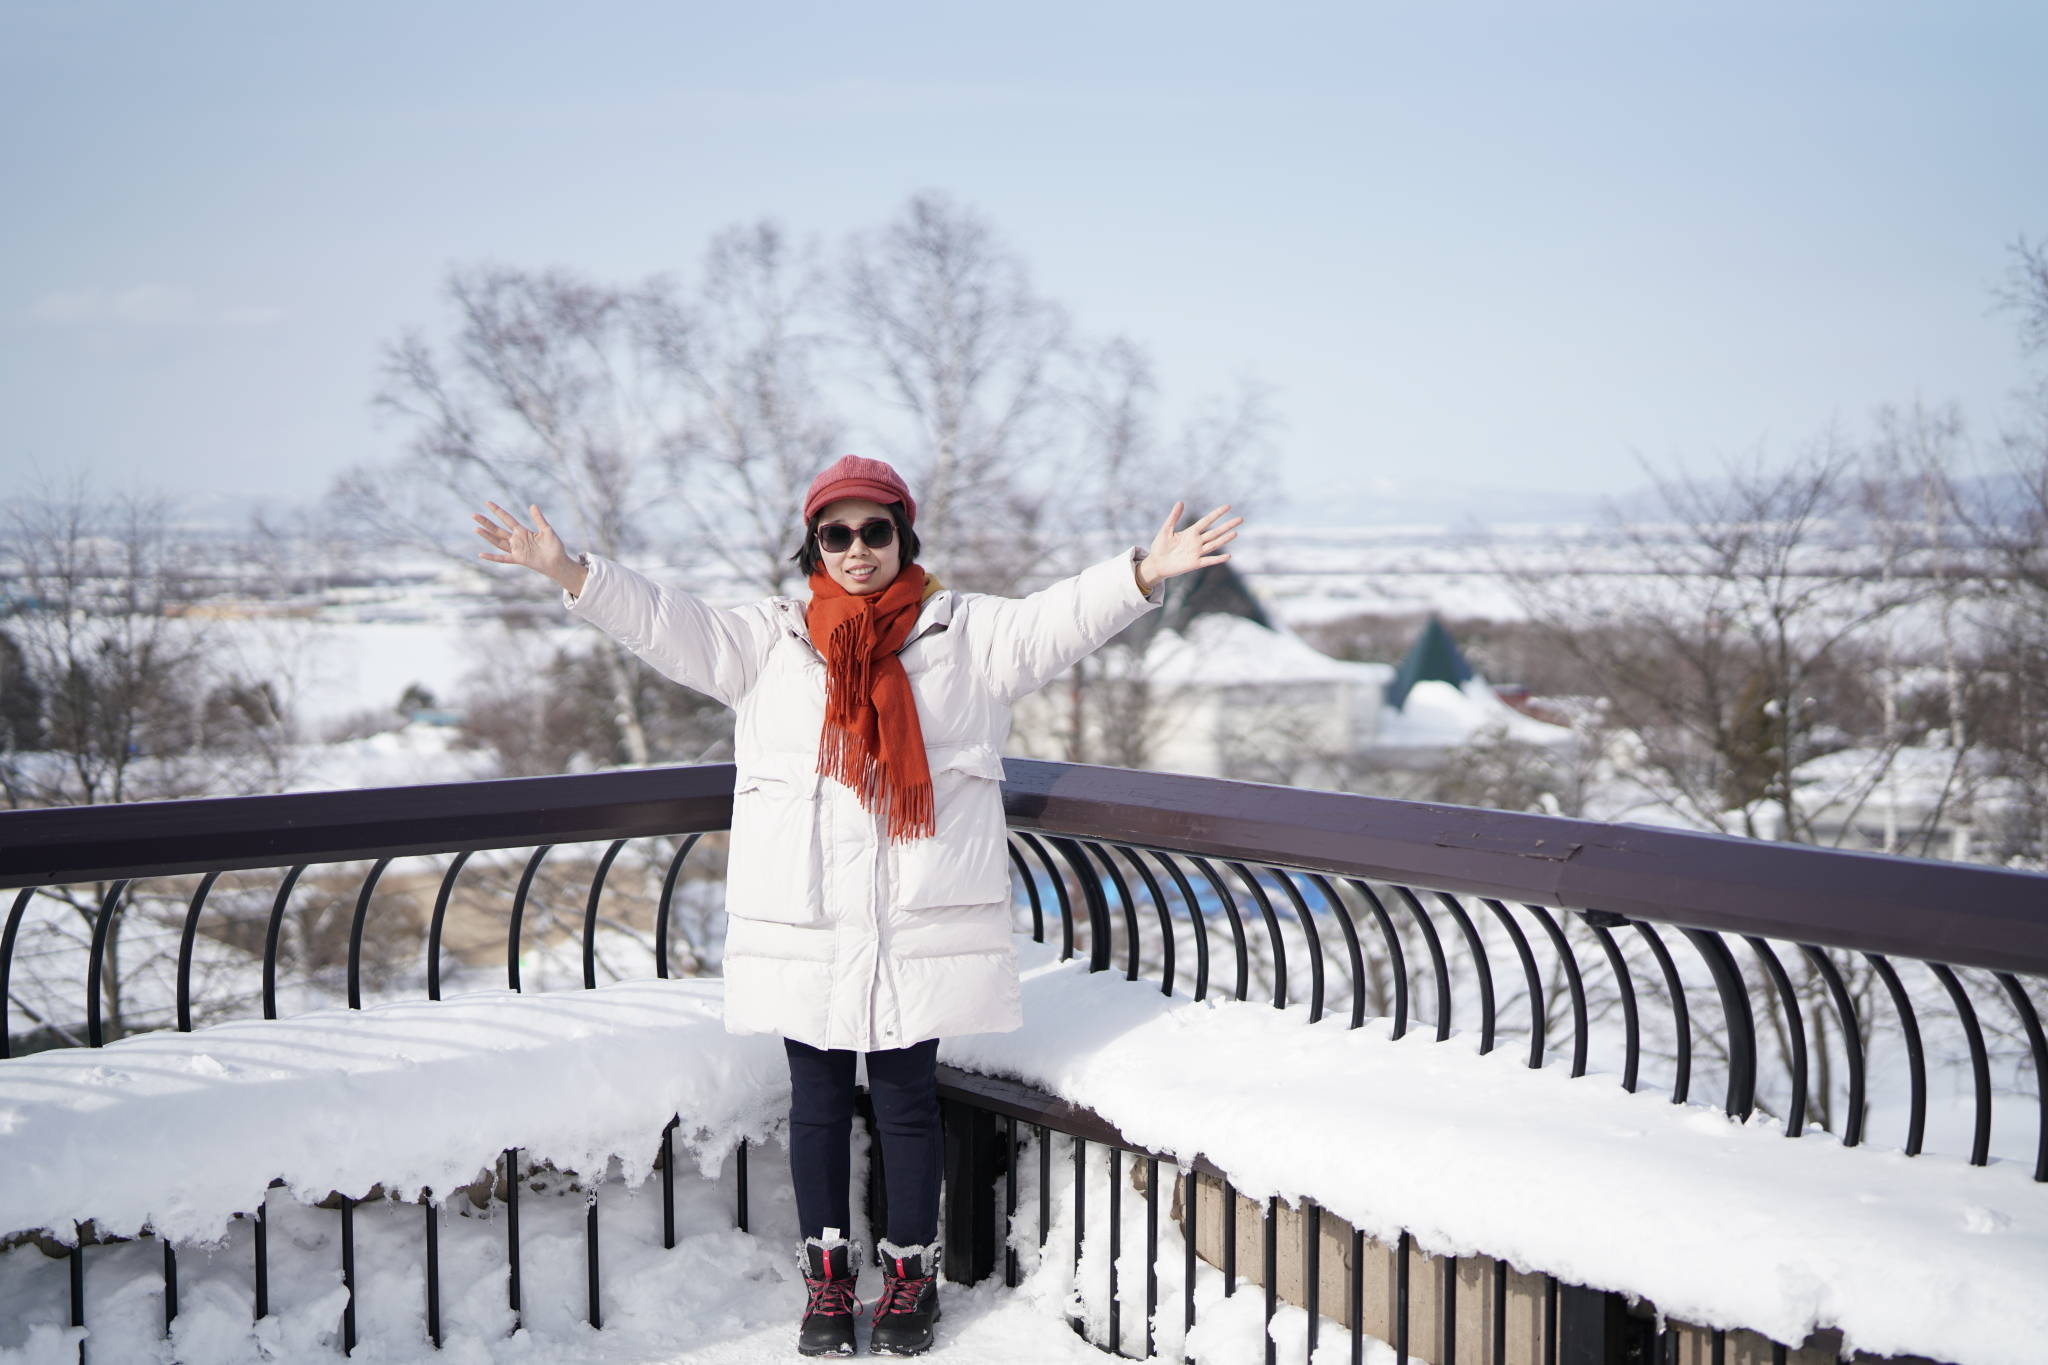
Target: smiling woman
[866,889]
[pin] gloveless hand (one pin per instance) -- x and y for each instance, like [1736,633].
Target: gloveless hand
[1174,553]
[539,549]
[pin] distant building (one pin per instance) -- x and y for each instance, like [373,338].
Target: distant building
[1212,685]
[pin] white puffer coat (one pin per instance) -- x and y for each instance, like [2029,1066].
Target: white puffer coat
[837,937]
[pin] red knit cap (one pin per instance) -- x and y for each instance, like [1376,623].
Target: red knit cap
[854,477]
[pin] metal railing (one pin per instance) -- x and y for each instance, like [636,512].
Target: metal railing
[1216,871]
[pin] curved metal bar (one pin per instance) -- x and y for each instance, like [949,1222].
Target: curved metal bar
[1741,1100]
[1852,1039]
[1396,957]
[1351,948]
[1165,917]
[1532,979]
[1244,969]
[1031,890]
[434,925]
[270,935]
[94,1037]
[1200,921]
[1130,905]
[519,915]
[1574,982]
[1795,1030]
[1272,933]
[1315,945]
[1059,890]
[604,868]
[1436,961]
[2024,1008]
[1980,1062]
[14,913]
[1916,1057]
[355,935]
[1631,1024]
[1681,1017]
[668,891]
[186,942]
[1099,945]
[1478,950]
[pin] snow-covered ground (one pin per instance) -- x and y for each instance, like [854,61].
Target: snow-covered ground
[1471,1154]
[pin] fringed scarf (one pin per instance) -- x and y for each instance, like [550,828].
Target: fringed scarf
[872,741]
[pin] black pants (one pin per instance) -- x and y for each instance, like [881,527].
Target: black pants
[903,1084]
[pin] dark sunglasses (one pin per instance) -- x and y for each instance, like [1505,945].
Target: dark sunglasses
[836,537]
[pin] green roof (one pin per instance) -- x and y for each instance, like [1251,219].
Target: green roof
[1434,657]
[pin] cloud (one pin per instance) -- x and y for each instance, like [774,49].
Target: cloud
[146,305]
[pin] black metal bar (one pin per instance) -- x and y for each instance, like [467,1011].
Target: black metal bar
[1681,1017]
[1916,1058]
[101,924]
[1269,1249]
[1010,1155]
[661,912]
[1795,1031]
[1315,944]
[519,915]
[1980,1063]
[1437,965]
[434,927]
[1044,1189]
[1199,921]
[348,1275]
[263,1258]
[1272,922]
[1603,927]
[1030,890]
[1575,985]
[1229,1240]
[1236,923]
[1401,1298]
[1852,1038]
[1312,1270]
[2038,1046]
[590,1245]
[1397,960]
[1357,1297]
[1080,1201]
[7,937]
[512,1229]
[1449,1347]
[1165,919]
[668,1185]
[1116,1247]
[1550,1320]
[1353,953]
[1531,980]
[1059,891]
[742,1210]
[1151,1249]
[77,1268]
[1099,944]
[170,1284]
[1480,965]
[1123,896]
[433,1217]
[186,941]
[604,867]
[1720,1347]
[1500,1312]
[270,935]
[355,934]
[1741,1024]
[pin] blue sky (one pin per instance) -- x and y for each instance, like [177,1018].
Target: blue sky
[1476,248]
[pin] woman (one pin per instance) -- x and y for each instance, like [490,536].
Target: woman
[867,887]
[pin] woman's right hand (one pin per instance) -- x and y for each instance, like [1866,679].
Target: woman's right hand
[539,549]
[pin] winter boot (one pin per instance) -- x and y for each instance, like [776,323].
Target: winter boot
[831,1266]
[909,1307]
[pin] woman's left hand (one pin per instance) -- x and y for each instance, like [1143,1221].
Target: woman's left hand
[1174,553]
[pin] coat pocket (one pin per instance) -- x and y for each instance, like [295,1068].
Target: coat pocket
[772,871]
[967,861]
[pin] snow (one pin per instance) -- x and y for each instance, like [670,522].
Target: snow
[1441,715]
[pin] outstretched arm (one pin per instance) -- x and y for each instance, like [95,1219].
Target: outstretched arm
[539,549]
[1174,553]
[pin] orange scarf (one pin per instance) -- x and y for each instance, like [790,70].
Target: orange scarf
[872,741]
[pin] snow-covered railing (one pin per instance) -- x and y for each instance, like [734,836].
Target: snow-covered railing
[1193,883]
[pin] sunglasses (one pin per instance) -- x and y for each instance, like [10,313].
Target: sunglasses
[836,537]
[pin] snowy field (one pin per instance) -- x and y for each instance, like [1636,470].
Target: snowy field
[1719,1223]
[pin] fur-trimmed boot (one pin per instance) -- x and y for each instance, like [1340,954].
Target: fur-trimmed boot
[831,1266]
[908,1310]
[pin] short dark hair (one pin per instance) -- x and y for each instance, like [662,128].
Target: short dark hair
[810,558]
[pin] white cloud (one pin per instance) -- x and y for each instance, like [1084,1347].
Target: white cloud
[146,305]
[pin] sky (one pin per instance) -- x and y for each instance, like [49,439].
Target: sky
[1491,257]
